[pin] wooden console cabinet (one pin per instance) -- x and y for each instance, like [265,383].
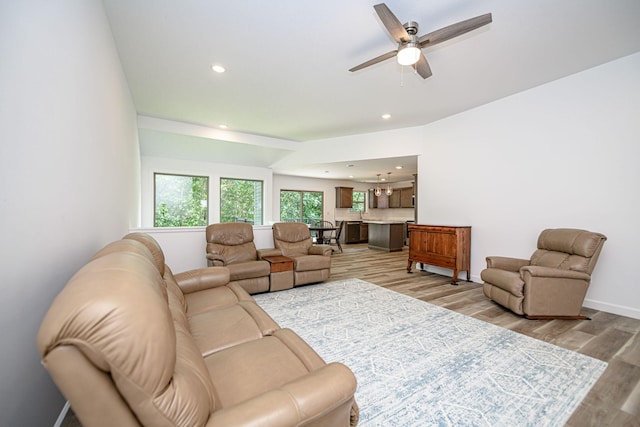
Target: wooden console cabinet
[442,246]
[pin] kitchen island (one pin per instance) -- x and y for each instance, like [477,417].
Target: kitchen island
[386,235]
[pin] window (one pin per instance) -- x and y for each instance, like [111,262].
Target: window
[241,201]
[301,206]
[358,201]
[180,200]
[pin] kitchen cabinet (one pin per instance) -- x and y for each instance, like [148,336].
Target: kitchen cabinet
[394,199]
[442,246]
[344,197]
[400,198]
[406,197]
[356,232]
[378,202]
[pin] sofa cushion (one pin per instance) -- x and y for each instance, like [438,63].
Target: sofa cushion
[234,324]
[214,298]
[238,375]
[153,247]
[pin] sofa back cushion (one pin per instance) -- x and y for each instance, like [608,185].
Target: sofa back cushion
[115,311]
[292,238]
[568,249]
[153,246]
[232,242]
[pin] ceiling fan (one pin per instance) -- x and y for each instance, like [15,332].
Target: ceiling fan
[410,45]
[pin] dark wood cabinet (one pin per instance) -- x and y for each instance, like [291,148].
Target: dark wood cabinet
[400,198]
[344,197]
[442,246]
[356,232]
[406,197]
[378,202]
[394,198]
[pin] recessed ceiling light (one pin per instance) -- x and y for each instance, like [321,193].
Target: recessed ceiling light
[218,68]
[222,126]
[398,167]
[386,116]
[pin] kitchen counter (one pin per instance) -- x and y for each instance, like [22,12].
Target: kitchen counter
[386,235]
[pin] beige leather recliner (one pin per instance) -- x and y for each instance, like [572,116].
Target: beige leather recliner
[311,264]
[553,283]
[230,245]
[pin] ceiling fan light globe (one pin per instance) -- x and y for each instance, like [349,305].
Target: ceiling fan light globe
[408,55]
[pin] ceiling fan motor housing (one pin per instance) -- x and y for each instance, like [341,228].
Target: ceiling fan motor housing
[411,27]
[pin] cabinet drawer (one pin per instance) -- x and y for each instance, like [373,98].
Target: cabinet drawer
[436,259]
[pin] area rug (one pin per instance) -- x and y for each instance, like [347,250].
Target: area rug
[418,364]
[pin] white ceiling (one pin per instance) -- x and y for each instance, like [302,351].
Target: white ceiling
[287,65]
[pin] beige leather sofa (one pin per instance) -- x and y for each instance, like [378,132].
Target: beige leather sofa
[311,263]
[554,282]
[129,343]
[230,244]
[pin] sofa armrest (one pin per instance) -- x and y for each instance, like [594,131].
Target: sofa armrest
[202,278]
[326,392]
[324,250]
[550,272]
[268,252]
[505,263]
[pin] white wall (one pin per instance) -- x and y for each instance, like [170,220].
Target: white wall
[214,171]
[561,155]
[69,168]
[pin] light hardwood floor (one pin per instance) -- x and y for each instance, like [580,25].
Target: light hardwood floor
[615,398]
[613,401]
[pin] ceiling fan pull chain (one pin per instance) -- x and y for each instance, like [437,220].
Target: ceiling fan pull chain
[402,76]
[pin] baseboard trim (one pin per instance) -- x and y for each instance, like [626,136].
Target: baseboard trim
[620,310]
[62,415]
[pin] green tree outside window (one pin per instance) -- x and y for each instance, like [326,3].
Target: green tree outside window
[241,201]
[358,201]
[180,200]
[301,206]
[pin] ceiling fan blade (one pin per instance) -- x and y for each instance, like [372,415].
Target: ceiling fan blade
[422,67]
[375,60]
[391,23]
[454,30]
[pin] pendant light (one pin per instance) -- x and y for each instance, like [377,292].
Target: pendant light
[378,191]
[389,189]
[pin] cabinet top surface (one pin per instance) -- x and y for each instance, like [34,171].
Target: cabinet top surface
[384,222]
[439,225]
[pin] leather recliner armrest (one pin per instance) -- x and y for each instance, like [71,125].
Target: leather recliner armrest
[268,252]
[550,272]
[329,388]
[324,250]
[202,278]
[506,263]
